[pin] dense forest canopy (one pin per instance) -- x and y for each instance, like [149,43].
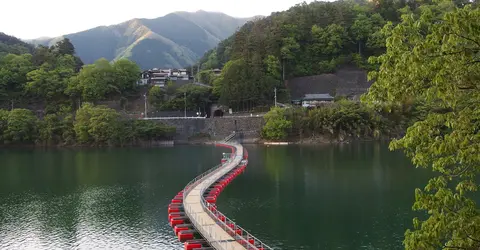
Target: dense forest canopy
[13,45]
[53,82]
[308,39]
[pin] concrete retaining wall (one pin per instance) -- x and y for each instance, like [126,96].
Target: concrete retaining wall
[249,128]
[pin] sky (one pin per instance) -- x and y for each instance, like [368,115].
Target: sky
[29,19]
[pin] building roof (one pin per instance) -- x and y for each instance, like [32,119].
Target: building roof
[317,97]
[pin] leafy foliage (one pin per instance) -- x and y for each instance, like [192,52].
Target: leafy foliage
[21,127]
[52,77]
[96,124]
[346,120]
[50,82]
[100,125]
[206,77]
[433,55]
[276,125]
[13,76]
[13,45]
[103,80]
[175,98]
[308,39]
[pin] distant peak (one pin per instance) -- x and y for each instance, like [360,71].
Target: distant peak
[201,12]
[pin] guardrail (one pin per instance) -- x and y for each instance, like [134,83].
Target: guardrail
[244,237]
[173,118]
[228,138]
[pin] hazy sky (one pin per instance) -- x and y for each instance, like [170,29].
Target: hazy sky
[29,19]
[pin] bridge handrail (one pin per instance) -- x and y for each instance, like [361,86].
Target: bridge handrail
[229,137]
[244,237]
[214,213]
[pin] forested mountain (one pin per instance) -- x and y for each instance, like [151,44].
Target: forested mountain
[175,40]
[13,45]
[308,39]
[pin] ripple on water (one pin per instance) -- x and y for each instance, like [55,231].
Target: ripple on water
[111,217]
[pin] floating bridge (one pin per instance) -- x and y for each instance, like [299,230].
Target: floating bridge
[193,213]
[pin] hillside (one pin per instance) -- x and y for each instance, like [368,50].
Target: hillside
[313,39]
[175,40]
[13,45]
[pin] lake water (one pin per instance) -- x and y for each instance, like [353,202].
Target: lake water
[354,196]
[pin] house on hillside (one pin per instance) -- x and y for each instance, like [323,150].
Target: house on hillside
[159,77]
[217,72]
[144,78]
[314,100]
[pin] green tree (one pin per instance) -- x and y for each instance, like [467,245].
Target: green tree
[64,47]
[273,67]
[50,82]
[127,74]
[21,126]
[276,125]
[206,77]
[212,61]
[233,90]
[41,55]
[149,130]
[157,96]
[56,128]
[13,76]
[96,124]
[3,124]
[94,82]
[433,55]
[364,27]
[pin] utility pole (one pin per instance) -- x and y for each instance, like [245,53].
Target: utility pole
[185,98]
[198,70]
[145,95]
[191,72]
[275,90]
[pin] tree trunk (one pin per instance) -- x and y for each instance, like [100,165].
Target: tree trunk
[11,103]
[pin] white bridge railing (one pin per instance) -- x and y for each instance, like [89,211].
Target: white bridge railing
[227,225]
[173,118]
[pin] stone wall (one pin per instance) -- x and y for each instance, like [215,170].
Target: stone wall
[249,128]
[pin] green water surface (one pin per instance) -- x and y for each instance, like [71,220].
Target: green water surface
[353,196]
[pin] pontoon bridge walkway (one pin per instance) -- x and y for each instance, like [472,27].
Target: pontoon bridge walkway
[213,233]
[198,208]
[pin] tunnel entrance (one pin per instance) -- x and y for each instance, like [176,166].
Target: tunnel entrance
[218,113]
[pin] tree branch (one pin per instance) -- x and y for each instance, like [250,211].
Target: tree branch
[467,38]
[453,247]
[473,62]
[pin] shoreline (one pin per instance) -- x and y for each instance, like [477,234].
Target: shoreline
[172,143]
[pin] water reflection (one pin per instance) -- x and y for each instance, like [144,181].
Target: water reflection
[348,196]
[94,199]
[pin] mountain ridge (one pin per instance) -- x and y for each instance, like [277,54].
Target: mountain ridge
[175,40]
